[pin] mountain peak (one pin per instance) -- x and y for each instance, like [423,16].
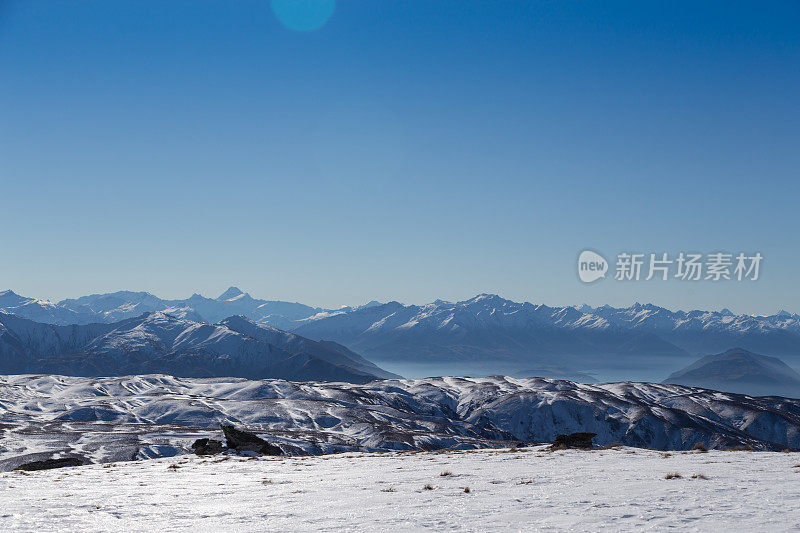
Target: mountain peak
[485,297]
[11,298]
[739,370]
[240,319]
[156,316]
[231,293]
[737,351]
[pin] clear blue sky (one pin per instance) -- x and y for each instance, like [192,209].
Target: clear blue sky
[406,150]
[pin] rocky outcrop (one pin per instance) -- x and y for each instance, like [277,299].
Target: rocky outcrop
[207,446]
[574,440]
[242,441]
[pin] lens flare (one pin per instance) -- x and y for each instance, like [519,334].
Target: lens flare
[303,15]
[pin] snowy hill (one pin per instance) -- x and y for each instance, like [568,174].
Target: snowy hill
[530,489]
[738,370]
[157,342]
[111,419]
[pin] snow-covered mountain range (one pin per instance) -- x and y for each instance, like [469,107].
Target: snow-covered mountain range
[483,335]
[738,370]
[116,306]
[158,342]
[107,419]
[548,340]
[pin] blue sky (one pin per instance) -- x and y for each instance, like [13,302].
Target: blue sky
[406,150]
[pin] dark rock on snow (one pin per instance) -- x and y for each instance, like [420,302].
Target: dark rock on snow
[47,464]
[574,440]
[242,441]
[207,446]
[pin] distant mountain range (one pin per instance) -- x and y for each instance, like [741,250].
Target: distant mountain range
[740,371]
[158,342]
[637,342]
[119,305]
[483,335]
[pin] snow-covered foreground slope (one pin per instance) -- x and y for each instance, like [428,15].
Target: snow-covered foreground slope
[139,417]
[529,489]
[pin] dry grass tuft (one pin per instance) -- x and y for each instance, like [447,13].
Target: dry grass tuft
[428,487]
[673,475]
[699,476]
[466,490]
[446,473]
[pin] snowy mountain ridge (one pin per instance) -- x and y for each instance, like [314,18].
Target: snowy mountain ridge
[119,418]
[486,309]
[111,307]
[119,305]
[158,342]
[506,337]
